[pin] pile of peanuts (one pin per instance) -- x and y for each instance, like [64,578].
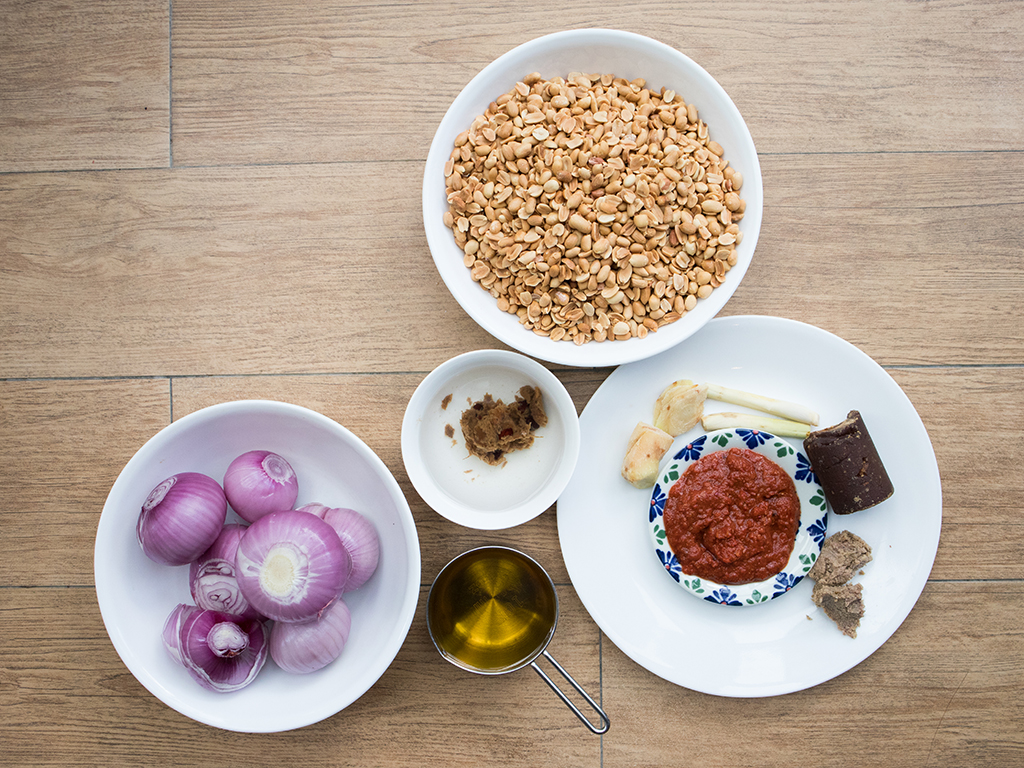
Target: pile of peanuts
[592,207]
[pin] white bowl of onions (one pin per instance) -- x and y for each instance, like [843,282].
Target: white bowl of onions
[257,566]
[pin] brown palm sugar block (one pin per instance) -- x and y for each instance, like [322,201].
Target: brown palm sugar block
[848,466]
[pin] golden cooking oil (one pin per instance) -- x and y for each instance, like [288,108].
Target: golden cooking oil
[492,610]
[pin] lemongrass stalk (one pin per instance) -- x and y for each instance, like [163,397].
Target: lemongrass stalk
[791,411]
[731,420]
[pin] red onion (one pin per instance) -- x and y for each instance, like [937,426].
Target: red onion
[181,517]
[290,565]
[314,508]
[258,483]
[172,630]
[221,652]
[312,645]
[211,577]
[359,538]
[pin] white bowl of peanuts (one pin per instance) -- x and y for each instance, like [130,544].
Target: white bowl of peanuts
[592,198]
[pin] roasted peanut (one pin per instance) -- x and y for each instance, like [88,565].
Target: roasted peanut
[593,208]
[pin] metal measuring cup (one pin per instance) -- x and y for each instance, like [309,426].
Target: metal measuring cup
[493,610]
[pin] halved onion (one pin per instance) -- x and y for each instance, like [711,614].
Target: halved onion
[258,483]
[290,565]
[211,577]
[181,518]
[311,645]
[221,652]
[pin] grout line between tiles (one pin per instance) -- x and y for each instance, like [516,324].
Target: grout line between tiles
[170,83]
[339,374]
[421,160]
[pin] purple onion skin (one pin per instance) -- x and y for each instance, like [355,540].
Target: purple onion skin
[181,518]
[258,483]
[360,539]
[172,630]
[225,545]
[211,577]
[290,565]
[314,508]
[310,646]
[223,653]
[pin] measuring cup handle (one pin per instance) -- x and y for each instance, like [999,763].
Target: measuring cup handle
[605,722]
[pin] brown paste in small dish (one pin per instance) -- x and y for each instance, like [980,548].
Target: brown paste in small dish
[492,428]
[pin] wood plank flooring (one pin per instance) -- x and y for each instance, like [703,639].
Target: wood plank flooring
[206,201]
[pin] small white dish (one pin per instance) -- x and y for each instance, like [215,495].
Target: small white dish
[809,536]
[623,54]
[463,488]
[334,467]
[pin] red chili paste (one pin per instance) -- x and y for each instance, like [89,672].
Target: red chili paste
[732,517]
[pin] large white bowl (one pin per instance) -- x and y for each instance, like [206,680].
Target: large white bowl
[335,468]
[593,51]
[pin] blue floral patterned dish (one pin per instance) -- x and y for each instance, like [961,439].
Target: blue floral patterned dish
[810,535]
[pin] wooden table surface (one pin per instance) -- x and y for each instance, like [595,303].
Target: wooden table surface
[204,201]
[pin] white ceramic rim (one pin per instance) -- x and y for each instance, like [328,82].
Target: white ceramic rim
[286,720]
[448,258]
[555,394]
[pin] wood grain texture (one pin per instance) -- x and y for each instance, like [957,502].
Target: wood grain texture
[966,413]
[257,270]
[64,444]
[84,85]
[300,269]
[340,81]
[210,200]
[68,699]
[945,688]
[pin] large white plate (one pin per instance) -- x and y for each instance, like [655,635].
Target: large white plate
[784,645]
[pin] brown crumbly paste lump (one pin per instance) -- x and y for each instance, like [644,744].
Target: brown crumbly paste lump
[842,555]
[842,603]
[492,428]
